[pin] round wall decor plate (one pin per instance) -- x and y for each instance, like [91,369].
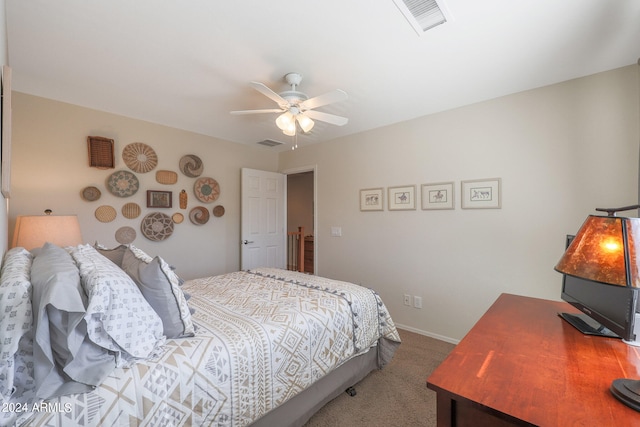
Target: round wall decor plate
[218,211]
[139,157]
[131,210]
[177,217]
[122,183]
[207,190]
[91,194]
[199,215]
[125,235]
[191,165]
[156,226]
[106,213]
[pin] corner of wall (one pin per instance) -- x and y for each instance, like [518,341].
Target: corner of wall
[4,213]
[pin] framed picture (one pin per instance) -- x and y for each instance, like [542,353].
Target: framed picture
[158,199]
[402,198]
[481,194]
[438,196]
[371,199]
[6,131]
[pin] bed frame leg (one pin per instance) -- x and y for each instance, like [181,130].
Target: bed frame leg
[351,391]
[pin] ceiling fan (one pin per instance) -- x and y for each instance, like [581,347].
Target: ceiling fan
[297,108]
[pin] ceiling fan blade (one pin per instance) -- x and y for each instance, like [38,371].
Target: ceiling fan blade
[326,117]
[324,99]
[271,110]
[263,89]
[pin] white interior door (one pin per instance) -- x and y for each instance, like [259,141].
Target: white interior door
[263,218]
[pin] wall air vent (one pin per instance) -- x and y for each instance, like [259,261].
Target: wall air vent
[270,143]
[423,14]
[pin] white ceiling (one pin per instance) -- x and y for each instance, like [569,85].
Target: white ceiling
[187,64]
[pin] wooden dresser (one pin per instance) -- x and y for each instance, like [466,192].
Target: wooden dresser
[521,364]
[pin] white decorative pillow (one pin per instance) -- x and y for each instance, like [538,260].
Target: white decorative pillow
[118,317]
[160,287]
[16,317]
[140,254]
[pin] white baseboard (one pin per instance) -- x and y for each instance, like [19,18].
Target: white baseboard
[428,334]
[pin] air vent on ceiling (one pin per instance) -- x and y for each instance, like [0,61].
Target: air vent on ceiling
[270,143]
[423,14]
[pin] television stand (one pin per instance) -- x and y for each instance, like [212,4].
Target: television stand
[587,325]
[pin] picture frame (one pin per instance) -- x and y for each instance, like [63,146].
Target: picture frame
[5,153]
[402,198]
[371,199]
[439,195]
[481,193]
[159,199]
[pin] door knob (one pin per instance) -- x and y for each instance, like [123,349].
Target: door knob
[246,242]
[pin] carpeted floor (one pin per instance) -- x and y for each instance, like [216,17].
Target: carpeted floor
[396,396]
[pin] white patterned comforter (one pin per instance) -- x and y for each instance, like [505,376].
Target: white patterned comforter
[262,337]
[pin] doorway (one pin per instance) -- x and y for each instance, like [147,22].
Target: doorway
[301,221]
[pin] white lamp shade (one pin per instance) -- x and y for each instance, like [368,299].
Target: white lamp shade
[34,231]
[305,122]
[284,120]
[287,123]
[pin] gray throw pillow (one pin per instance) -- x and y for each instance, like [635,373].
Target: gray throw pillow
[115,255]
[154,279]
[65,361]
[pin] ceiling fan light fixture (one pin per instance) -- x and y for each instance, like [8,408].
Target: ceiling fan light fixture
[287,123]
[305,122]
[296,108]
[284,120]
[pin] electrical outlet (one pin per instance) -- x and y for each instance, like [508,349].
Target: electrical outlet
[407,299]
[417,302]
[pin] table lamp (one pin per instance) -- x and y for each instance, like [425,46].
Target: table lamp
[33,231]
[605,250]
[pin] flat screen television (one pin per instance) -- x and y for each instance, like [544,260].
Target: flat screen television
[609,310]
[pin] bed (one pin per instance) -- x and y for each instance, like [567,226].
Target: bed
[96,336]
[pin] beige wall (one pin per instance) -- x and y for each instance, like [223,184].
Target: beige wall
[50,168]
[561,151]
[300,202]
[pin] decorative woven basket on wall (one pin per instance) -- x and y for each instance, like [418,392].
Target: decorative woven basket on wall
[101,152]
[140,157]
[166,177]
